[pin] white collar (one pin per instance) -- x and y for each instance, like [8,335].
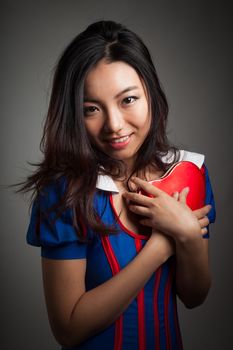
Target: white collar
[106,183]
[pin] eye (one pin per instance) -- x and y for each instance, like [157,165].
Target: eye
[89,110]
[129,100]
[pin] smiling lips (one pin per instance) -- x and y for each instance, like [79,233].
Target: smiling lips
[120,142]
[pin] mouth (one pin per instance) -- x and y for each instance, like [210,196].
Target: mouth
[120,139]
[119,142]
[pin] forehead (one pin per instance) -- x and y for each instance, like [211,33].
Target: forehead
[111,78]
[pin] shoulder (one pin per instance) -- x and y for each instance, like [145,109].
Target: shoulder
[54,190]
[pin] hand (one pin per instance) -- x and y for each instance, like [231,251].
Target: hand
[201,214]
[202,218]
[163,212]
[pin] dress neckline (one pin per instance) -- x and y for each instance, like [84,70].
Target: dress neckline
[124,228]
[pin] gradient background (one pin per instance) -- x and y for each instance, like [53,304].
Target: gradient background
[191,45]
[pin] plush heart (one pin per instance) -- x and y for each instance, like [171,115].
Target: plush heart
[180,175]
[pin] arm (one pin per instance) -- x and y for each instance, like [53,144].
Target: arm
[74,314]
[192,271]
[192,263]
[185,227]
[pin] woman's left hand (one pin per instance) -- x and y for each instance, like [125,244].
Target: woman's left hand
[201,213]
[166,213]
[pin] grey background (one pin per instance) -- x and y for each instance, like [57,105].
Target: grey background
[191,44]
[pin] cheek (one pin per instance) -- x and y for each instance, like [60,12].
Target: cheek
[93,128]
[143,118]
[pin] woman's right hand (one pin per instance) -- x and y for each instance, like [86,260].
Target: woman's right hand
[162,212]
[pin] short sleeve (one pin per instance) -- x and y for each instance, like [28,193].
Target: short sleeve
[209,199]
[56,236]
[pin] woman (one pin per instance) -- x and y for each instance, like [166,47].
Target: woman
[113,260]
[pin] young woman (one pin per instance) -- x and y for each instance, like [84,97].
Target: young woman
[113,260]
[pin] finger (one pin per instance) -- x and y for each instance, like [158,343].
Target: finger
[140,210]
[147,187]
[200,213]
[204,231]
[183,195]
[176,195]
[137,198]
[204,222]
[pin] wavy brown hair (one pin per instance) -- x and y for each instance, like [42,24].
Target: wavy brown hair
[67,151]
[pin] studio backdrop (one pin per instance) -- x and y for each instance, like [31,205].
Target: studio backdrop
[191,45]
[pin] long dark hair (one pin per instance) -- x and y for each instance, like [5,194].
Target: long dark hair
[67,150]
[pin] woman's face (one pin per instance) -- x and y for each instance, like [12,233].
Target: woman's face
[116,110]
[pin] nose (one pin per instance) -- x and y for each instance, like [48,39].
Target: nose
[114,121]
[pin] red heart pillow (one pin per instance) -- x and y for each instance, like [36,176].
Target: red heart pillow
[180,175]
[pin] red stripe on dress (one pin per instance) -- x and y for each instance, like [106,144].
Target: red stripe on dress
[156,307]
[141,309]
[166,308]
[115,267]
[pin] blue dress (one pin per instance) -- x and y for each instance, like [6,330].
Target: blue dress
[150,321]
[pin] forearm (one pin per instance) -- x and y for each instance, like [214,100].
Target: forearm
[101,306]
[192,271]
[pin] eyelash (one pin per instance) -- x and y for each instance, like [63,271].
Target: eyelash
[90,110]
[130,97]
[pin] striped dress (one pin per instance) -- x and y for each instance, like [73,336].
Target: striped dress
[150,321]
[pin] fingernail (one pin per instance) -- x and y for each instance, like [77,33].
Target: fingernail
[175,195]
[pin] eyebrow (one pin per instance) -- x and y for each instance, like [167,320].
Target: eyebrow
[130,88]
